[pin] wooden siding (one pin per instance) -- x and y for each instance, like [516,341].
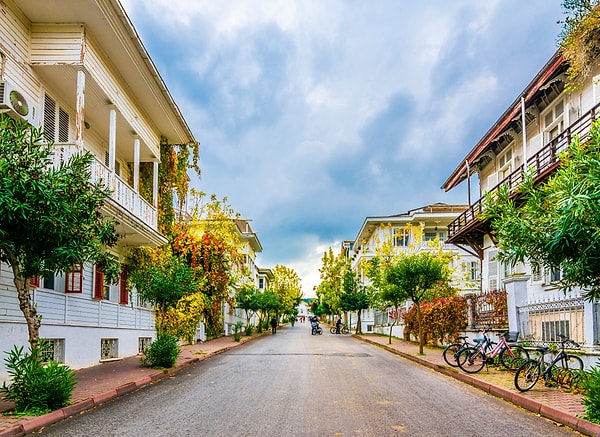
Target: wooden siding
[53,44]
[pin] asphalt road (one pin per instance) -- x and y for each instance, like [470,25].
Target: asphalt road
[296,384]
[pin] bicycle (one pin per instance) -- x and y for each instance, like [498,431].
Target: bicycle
[530,371]
[316,329]
[343,330]
[451,350]
[472,359]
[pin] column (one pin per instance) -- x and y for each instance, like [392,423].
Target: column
[516,296]
[79,109]
[136,164]
[112,138]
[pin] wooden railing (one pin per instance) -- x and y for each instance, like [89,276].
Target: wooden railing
[121,192]
[541,163]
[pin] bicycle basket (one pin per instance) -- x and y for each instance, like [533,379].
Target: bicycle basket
[512,336]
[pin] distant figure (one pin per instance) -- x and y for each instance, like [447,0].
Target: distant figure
[293,320]
[338,325]
[273,325]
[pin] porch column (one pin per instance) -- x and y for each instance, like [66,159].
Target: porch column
[112,138]
[136,164]
[79,109]
[155,185]
[516,297]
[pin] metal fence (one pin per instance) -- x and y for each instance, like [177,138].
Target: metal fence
[541,322]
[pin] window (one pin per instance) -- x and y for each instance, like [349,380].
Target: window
[505,163]
[49,281]
[56,121]
[550,330]
[143,343]
[474,271]
[74,280]
[554,275]
[400,238]
[261,283]
[55,350]
[108,348]
[429,236]
[553,121]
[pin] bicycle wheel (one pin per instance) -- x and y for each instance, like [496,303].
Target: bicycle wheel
[513,361]
[450,353]
[320,330]
[527,375]
[562,369]
[345,330]
[332,329]
[470,360]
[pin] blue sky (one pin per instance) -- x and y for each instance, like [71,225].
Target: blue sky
[314,114]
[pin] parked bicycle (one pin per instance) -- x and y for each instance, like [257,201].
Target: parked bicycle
[472,359]
[343,330]
[530,371]
[451,351]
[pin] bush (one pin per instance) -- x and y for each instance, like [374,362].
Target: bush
[37,387]
[249,330]
[591,395]
[162,352]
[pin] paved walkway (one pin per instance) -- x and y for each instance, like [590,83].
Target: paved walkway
[107,381]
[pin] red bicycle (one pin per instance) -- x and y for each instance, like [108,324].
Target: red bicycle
[472,359]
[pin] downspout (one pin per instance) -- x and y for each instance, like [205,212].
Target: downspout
[523,122]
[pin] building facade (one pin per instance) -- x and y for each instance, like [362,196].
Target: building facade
[531,133]
[79,71]
[420,229]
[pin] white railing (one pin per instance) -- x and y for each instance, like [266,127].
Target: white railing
[121,192]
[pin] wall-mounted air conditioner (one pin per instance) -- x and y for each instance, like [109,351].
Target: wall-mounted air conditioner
[16,105]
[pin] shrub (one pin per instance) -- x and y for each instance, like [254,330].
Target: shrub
[249,330]
[591,395]
[162,352]
[37,387]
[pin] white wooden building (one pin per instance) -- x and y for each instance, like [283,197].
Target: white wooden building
[86,79]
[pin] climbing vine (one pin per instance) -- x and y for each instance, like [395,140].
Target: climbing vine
[580,40]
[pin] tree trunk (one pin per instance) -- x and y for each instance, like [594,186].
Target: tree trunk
[358,324]
[393,324]
[420,328]
[28,309]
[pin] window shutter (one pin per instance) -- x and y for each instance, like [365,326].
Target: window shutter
[35,281]
[74,280]
[123,292]
[98,284]
[63,126]
[49,118]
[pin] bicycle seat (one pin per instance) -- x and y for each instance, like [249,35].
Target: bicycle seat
[542,350]
[478,340]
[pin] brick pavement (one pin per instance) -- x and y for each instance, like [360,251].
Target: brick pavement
[106,381]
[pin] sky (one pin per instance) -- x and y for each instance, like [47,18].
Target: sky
[315,114]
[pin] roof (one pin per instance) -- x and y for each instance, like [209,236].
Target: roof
[109,25]
[550,69]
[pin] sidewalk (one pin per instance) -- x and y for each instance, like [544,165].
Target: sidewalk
[107,381]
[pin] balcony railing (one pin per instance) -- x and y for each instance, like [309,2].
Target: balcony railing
[542,163]
[121,192]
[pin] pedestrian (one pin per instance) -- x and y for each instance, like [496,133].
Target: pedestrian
[338,325]
[293,320]
[273,325]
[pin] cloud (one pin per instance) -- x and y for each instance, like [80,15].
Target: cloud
[313,115]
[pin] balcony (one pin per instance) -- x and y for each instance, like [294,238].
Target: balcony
[121,193]
[468,229]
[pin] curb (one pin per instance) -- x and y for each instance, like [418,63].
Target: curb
[554,414]
[44,420]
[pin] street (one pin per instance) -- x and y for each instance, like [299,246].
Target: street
[293,383]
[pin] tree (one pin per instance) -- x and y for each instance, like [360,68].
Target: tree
[245,299]
[354,296]
[554,225]
[415,277]
[50,218]
[286,285]
[329,289]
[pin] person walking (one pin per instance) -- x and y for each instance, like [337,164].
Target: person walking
[273,325]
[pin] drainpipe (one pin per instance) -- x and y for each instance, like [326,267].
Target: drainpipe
[523,122]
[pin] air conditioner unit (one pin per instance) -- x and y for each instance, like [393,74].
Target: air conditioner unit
[16,105]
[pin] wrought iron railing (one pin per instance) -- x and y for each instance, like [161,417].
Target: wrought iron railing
[543,162]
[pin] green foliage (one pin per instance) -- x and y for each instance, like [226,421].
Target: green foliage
[249,329]
[37,387]
[591,395]
[50,215]
[555,224]
[286,285]
[580,40]
[162,352]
